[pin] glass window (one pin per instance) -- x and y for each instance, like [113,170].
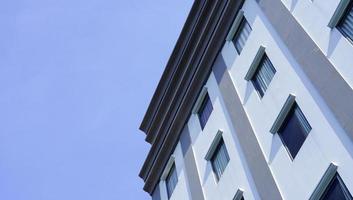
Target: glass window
[171,180]
[294,130]
[220,159]
[346,24]
[205,111]
[241,35]
[336,190]
[242,198]
[263,75]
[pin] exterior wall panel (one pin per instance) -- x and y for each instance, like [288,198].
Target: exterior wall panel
[236,174]
[191,171]
[314,16]
[324,143]
[312,62]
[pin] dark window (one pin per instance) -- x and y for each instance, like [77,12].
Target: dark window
[336,190]
[171,180]
[205,110]
[346,24]
[241,35]
[263,75]
[220,159]
[294,130]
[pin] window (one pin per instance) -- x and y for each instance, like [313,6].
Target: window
[241,35]
[331,186]
[345,26]
[263,75]
[294,130]
[336,190]
[238,195]
[171,180]
[205,110]
[219,159]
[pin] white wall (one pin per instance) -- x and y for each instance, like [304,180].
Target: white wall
[236,174]
[181,190]
[326,142]
[314,16]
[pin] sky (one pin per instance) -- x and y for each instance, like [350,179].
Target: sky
[76,77]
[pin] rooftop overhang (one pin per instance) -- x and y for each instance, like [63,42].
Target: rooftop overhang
[187,70]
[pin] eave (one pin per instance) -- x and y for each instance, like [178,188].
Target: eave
[187,70]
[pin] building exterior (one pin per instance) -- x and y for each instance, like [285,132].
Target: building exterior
[256,102]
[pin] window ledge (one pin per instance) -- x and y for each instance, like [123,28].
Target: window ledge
[338,14]
[199,100]
[283,114]
[235,26]
[213,146]
[324,182]
[168,167]
[255,64]
[238,195]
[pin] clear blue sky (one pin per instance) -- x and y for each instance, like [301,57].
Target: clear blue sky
[76,77]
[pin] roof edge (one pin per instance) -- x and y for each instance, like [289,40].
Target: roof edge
[208,47]
[168,72]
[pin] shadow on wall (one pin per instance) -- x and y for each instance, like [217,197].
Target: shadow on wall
[249,89]
[293,4]
[208,173]
[333,41]
[333,38]
[275,147]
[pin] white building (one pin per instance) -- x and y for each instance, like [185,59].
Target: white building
[256,102]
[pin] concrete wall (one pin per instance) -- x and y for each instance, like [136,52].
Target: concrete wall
[181,190]
[236,175]
[326,143]
[314,17]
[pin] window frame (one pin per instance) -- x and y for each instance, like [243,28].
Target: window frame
[216,153]
[282,118]
[167,170]
[291,114]
[235,26]
[203,104]
[172,172]
[325,182]
[339,13]
[213,151]
[259,90]
[235,38]
[342,185]
[239,195]
[255,63]
[255,66]
[348,8]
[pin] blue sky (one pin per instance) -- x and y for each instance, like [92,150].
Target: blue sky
[76,77]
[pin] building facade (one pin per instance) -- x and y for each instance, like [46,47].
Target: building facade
[256,102]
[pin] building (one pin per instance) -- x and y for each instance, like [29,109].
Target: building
[256,102]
